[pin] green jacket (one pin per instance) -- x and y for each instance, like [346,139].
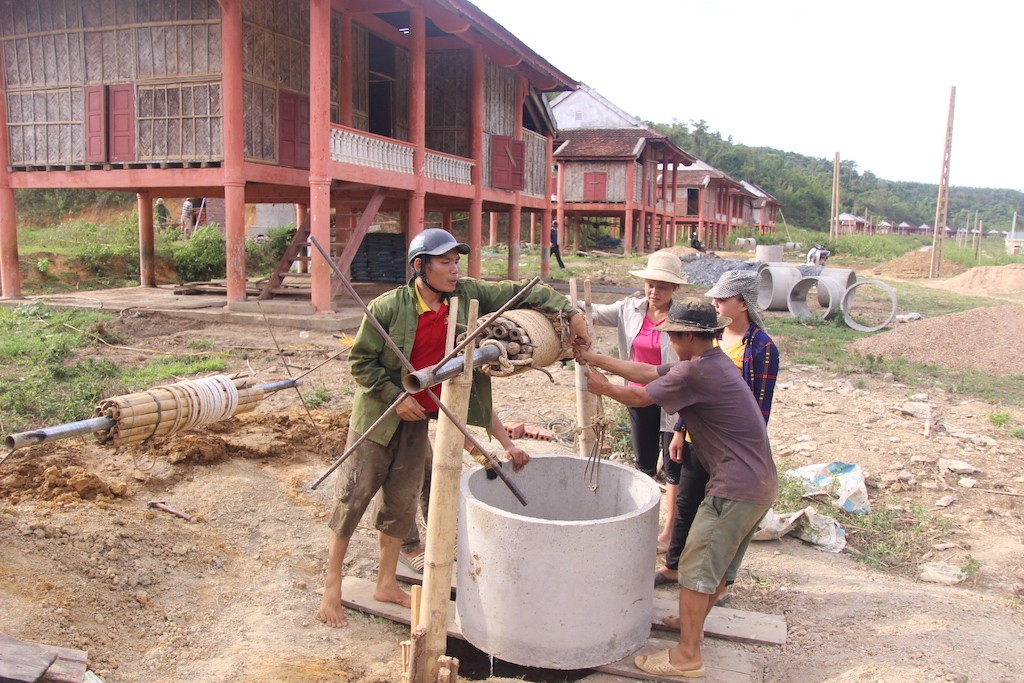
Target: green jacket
[379,372]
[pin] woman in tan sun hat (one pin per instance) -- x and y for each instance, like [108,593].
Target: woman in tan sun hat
[635,319]
[757,358]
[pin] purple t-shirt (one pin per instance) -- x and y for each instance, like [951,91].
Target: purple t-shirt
[724,422]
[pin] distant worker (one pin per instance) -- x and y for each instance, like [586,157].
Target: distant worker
[695,242]
[161,216]
[187,218]
[817,255]
[555,251]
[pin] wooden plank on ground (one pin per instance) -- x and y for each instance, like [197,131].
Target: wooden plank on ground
[64,665]
[723,622]
[723,664]
[357,594]
[729,624]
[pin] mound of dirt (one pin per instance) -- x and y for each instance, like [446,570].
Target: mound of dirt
[916,264]
[979,339]
[987,280]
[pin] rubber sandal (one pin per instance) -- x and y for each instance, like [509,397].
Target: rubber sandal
[659,665]
[414,563]
[662,580]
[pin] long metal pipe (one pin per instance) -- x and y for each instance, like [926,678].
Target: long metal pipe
[97,424]
[424,379]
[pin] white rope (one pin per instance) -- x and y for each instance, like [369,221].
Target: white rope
[201,402]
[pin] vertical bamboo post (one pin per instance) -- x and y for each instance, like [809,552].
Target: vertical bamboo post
[444,505]
[586,402]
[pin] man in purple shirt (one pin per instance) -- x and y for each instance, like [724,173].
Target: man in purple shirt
[731,441]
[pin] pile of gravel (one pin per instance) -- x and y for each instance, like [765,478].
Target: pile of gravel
[706,271]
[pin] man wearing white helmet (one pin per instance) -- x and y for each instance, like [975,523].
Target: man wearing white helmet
[392,458]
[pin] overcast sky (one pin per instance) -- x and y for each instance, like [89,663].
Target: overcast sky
[870,79]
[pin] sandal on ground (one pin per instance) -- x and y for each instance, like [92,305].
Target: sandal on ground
[662,580]
[659,665]
[415,562]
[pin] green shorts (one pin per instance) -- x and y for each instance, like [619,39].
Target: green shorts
[718,539]
[396,470]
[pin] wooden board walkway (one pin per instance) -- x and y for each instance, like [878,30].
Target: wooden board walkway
[24,661]
[727,624]
[724,665]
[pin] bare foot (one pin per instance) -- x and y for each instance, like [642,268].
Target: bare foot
[663,544]
[331,611]
[392,594]
[671,621]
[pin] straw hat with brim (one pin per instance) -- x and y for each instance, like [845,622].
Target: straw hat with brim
[693,315]
[743,283]
[663,267]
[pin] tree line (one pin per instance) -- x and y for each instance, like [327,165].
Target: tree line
[803,185]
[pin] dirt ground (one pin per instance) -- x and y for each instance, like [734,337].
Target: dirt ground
[232,594]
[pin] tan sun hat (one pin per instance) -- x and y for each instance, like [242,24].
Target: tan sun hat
[742,283]
[693,315]
[663,267]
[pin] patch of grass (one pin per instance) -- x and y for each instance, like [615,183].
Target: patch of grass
[317,397]
[892,537]
[47,378]
[999,419]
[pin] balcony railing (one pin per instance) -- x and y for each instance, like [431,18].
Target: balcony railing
[363,149]
[448,168]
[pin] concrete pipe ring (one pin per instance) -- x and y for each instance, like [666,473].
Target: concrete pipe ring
[769,253]
[797,299]
[847,304]
[845,277]
[776,281]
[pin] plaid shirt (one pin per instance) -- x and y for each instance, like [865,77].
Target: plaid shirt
[760,369]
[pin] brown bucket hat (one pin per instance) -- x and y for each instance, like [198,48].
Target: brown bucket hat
[693,315]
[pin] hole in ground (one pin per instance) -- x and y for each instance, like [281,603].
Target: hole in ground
[476,665]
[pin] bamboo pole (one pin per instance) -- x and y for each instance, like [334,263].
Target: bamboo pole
[444,505]
[586,402]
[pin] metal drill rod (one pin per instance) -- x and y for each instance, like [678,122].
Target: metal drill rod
[471,335]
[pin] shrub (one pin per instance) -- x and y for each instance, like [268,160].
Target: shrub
[202,257]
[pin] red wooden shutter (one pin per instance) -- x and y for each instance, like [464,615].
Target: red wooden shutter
[302,130]
[507,161]
[95,123]
[595,187]
[287,135]
[293,131]
[122,122]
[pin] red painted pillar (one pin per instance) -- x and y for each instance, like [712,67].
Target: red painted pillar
[627,227]
[446,219]
[319,149]
[147,258]
[515,223]
[476,151]
[533,229]
[234,151]
[300,216]
[476,215]
[417,117]
[493,215]
[10,277]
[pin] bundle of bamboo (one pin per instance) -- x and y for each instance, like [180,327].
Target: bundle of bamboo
[169,409]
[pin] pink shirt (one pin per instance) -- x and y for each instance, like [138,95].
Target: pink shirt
[647,346]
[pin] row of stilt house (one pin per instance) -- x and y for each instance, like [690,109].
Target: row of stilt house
[427,109]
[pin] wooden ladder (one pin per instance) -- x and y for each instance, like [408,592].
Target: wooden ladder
[298,249]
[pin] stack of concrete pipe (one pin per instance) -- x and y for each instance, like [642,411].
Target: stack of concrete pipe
[746,242]
[783,287]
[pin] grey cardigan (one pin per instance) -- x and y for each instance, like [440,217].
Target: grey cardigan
[627,316]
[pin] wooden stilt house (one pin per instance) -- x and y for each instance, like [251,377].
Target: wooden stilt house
[343,107]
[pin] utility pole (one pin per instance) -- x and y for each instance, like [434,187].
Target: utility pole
[942,203]
[833,224]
